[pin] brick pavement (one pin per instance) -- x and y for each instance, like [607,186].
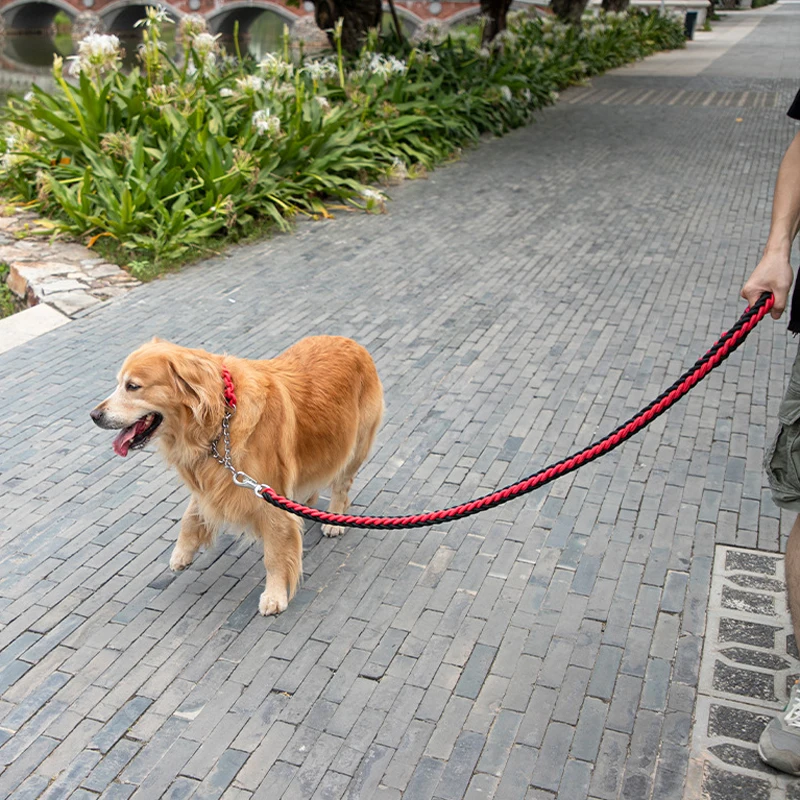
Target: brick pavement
[518,304]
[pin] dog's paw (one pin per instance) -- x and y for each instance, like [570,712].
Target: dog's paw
[332,530]
[272,602]
[180,559]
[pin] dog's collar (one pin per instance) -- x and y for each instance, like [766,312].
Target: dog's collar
[230,394]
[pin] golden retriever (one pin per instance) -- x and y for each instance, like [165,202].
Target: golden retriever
[304,421]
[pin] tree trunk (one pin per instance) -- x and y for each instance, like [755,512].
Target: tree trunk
[358,17]
[495,12]
[615,5]
[569,11]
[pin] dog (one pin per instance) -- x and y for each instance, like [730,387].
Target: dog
[304,421]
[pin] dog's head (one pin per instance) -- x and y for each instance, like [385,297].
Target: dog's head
[163,389]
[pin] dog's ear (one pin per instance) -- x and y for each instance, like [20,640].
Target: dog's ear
[199,382]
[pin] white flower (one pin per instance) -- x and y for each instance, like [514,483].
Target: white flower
[275,67]
[249,84]
[430,31]
[375,201]
[506,93]
[280,88]
[323,103]
[151,50]
[97,53]
[226,92]
[265,122]
[506,37]
[384,66]
[314,70]
[526,95]
[397,171]
[9,158]
[206,47]
[155,15]
[321,69]
[191,25]
[28,98]
[484,53]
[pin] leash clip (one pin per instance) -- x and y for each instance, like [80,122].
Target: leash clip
[243,479]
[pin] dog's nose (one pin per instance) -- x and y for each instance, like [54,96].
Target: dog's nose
[97,416]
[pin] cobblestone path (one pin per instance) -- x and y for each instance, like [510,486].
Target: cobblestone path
[519,304]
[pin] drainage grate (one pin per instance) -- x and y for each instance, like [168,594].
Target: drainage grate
[749,661]
[643,96]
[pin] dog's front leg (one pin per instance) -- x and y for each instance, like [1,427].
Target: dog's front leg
[282,536]
[194,533]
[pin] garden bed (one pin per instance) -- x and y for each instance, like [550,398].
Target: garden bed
[170,161]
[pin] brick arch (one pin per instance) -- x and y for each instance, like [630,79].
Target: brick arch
[34,14]
[464,16]
[113,11]
[405,14]
[250,10]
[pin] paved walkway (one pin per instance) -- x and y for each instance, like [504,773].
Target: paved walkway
[518,304]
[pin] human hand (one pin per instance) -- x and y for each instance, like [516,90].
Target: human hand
[773,274]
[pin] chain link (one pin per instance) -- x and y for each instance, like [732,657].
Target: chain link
[226,439]
[239,478]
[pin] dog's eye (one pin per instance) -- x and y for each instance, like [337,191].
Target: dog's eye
[132,387]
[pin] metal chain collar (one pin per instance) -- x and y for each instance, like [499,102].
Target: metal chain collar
[239,478]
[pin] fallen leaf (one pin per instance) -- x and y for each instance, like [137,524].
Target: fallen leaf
[91,241]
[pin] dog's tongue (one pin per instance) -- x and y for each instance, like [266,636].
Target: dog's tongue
[123,441]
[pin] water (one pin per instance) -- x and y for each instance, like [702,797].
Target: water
[28,58]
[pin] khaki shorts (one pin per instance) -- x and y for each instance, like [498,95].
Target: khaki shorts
[782,461]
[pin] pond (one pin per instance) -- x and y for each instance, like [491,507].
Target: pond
[27,58]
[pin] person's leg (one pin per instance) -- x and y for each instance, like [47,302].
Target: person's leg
[792,569]
[779,745]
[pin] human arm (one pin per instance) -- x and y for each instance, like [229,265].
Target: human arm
[774,272]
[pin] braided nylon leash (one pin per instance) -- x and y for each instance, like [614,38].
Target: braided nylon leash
[721,349]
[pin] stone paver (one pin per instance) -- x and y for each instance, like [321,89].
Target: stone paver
[66,276]
[518,304]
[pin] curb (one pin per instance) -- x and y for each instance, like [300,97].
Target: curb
[28,324]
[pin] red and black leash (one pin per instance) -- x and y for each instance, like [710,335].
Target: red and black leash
[721,349]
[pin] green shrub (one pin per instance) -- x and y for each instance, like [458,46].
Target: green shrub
[9,303]
[171,158]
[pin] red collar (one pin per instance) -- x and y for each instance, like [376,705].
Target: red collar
[230,394]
